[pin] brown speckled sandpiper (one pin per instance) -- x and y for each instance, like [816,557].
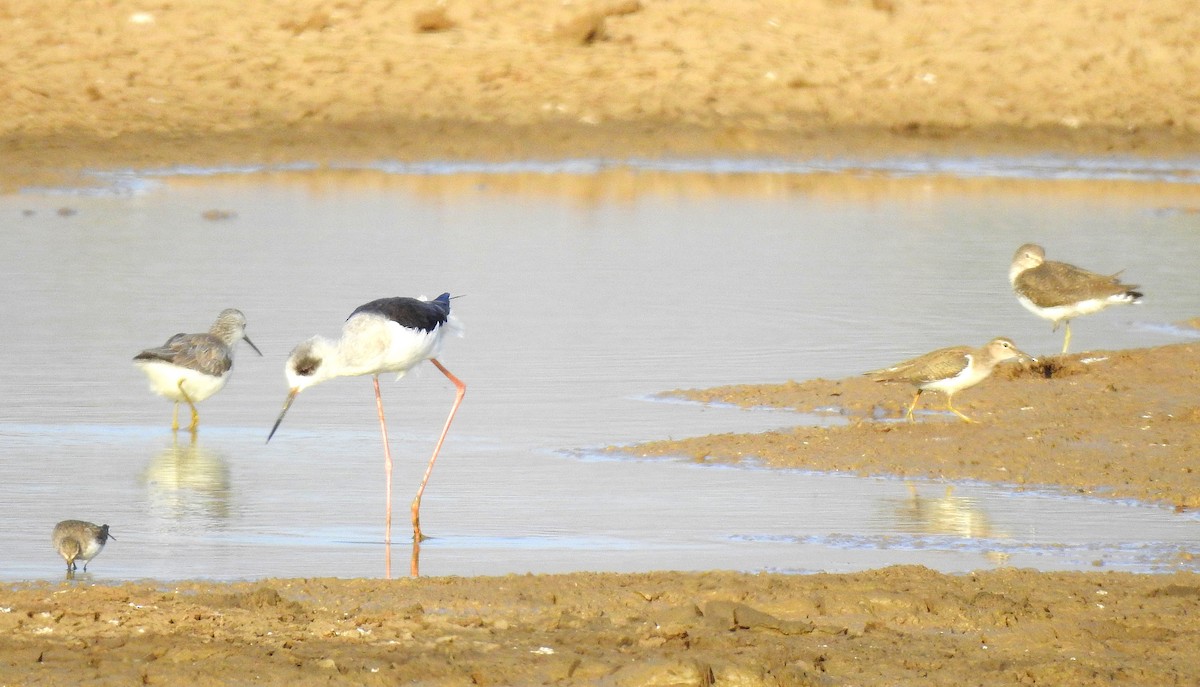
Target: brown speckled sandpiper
[79,540]
[1059,292]
[950,370]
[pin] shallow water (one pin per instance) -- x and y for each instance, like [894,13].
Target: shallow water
[585,294]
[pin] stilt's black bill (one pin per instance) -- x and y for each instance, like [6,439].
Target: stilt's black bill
[286,404]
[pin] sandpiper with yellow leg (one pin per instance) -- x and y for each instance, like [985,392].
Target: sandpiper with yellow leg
[192,367]
[1060,292]
[950,370]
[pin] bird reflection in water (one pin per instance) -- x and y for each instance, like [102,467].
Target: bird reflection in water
[187,480]
[948,515]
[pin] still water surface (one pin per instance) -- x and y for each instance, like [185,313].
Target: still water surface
[584,295]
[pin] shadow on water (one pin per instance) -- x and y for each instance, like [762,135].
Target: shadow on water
[585,294]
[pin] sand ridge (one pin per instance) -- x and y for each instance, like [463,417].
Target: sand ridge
[123,82]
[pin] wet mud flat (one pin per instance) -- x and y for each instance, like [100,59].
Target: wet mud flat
[1115,424]
[900,625]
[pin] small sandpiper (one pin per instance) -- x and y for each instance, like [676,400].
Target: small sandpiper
[79,540]
[950,370]
[1059,292]
[192,367]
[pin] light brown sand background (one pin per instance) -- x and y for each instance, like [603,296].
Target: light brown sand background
[128,82]
[123,83]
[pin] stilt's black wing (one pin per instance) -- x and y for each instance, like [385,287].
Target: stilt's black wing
[410,312]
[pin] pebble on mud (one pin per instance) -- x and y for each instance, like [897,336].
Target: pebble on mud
[432,20]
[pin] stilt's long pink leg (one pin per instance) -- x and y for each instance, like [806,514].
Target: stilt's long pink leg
[458,397]
[387,465]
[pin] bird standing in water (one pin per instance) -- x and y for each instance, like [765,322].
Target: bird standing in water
[950,370]
[79,540]
[385,335]
[1058,292]
[192,367]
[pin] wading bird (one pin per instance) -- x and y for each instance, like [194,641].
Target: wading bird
[79,540]
[385,335]
[949,370]
[192,367]
[1058,292]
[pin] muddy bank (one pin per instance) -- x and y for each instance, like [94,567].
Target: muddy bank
[1119,424]
[903,625]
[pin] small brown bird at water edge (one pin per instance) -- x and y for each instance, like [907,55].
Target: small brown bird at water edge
[950,370]
[79,540]
[1058,292]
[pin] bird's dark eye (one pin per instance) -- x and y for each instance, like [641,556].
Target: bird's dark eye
[306,366]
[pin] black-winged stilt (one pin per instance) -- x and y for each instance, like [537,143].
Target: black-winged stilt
[385,335]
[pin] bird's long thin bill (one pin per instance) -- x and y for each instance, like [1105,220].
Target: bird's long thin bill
[247,340]
[286,404]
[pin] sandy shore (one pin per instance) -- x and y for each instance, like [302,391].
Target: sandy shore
[903,625]
[131,83]
[126,83]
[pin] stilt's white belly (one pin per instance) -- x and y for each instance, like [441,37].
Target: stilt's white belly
[371,344]
[164,381]
[410,346]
